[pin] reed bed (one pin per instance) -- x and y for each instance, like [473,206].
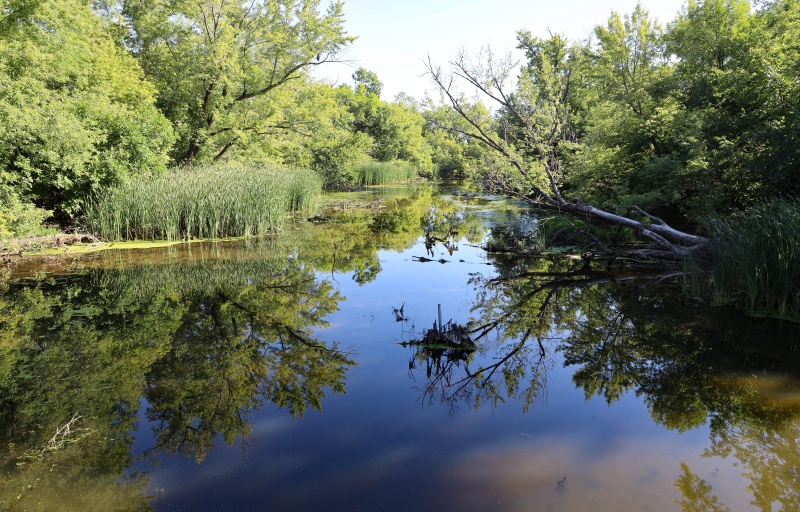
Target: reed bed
[210,201]
[385,173]
[756,259]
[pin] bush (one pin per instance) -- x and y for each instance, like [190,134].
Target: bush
[20,220]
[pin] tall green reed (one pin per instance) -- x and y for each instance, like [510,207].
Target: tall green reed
[756,259]
[206,201]
[384,173]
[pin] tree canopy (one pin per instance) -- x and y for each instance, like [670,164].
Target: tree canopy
[76,111]
[684,122]
[219,64]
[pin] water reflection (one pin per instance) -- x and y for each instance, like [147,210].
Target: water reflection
[690,365]
[202,336]
[517,370]
[166,352]
[206,345]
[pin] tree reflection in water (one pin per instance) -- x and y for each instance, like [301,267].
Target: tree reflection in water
[519,373]
[207,334]
[691,364]
[207,345]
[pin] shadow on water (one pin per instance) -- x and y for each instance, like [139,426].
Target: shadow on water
[192,342]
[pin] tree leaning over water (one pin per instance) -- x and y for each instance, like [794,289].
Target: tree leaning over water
[685,123]
[530,134]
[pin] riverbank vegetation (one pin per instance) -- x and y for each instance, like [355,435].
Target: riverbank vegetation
[756,259]
[98,95]
[653,128]
[643,127]
[206,201]
[384,173]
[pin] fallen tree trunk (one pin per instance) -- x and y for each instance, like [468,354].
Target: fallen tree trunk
[668,240]
[538,161]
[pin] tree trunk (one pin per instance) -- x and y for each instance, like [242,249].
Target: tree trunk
[542,143]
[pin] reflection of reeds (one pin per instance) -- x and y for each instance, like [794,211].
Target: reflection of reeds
[198,269]
[757,259]
[384,173]
[209,201]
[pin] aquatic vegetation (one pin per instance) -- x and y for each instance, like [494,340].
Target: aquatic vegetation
[209,201]
[384,173]
[756,259]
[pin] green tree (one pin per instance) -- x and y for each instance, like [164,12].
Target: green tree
[395,128]
[218,64]
[76,113]
[627,53]
[709,35]
[619,85]
[534,132]
[369,80]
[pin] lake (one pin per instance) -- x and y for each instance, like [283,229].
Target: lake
[376,357]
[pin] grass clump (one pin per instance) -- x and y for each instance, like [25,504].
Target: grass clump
[206,201]
[384,173]
[756,259]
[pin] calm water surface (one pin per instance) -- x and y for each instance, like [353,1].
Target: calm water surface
[303,372]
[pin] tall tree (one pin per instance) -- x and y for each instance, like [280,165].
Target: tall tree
[621,102]
[218,63]
[369,79]
[628,48]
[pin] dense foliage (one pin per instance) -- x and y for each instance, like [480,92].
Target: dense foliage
[687,120]
[76,112]
[697,118]
[110,93]
[655,131]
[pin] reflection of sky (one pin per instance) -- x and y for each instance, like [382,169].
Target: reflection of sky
[380,447]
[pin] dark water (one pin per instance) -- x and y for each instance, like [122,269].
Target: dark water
[302,372]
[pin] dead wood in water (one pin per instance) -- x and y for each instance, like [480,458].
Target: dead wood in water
[18,246]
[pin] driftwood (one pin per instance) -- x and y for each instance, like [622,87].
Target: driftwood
[16,247]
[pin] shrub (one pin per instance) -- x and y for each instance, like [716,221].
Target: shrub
[19,219]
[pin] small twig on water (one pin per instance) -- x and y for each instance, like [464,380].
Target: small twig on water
[62,433]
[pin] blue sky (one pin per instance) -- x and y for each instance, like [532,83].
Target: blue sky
[395,37]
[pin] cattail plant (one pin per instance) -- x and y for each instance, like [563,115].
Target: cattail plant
[206,201]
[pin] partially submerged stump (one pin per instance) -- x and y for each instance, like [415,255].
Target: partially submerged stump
[441,349]
[449,337]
